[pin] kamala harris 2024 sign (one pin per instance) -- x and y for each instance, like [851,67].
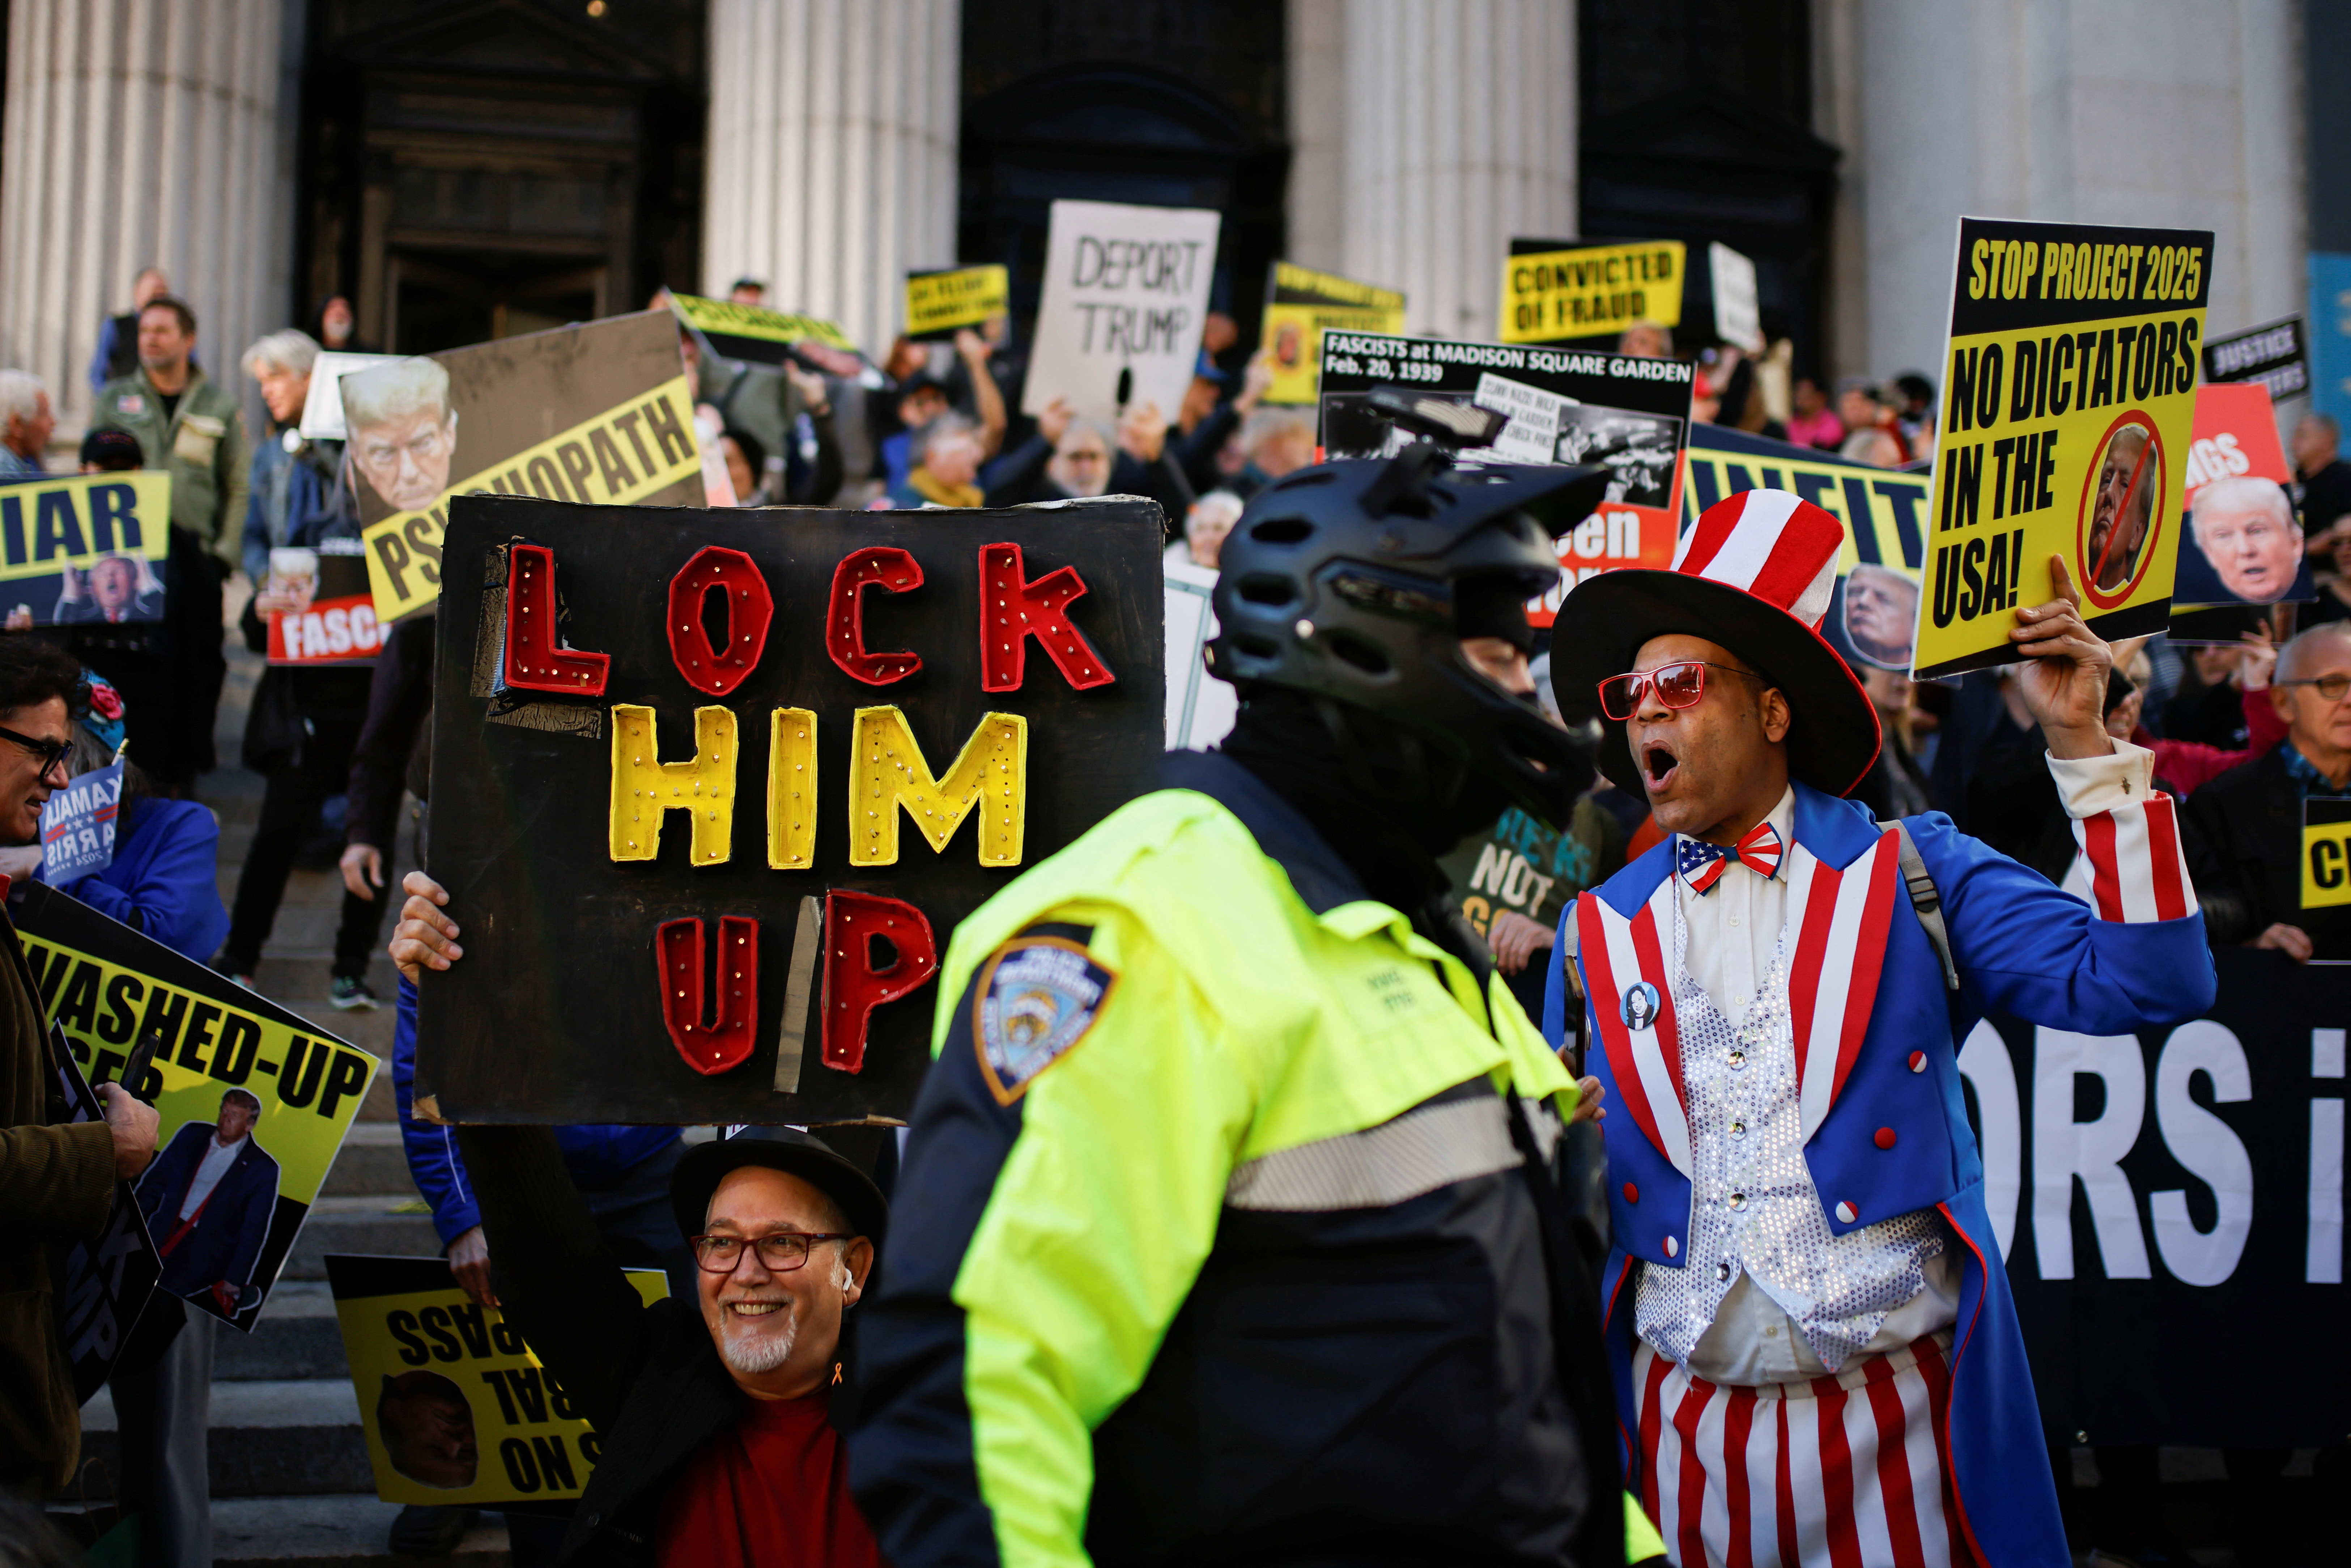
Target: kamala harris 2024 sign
[711,789]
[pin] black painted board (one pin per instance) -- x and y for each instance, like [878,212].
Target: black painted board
[553,1015]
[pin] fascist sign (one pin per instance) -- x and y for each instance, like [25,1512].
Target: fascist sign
[1301,305]
[457,1409]
[2275,355]
[231,1070]
[754,332]
[1886,515]
[333,620]
[940,303]
[591,414]
[706,837]
[1126,293]
[1564,406]
[2069,392]
[1552,291]
[2166,1189]
[86,551]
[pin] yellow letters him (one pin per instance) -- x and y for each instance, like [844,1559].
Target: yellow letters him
[792,789]
[887,772]
[644,788]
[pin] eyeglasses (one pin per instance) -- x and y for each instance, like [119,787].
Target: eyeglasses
[2331,687]
[779,1254]
[1678,685]
[50,752]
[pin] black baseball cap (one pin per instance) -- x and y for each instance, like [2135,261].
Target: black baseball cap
[786,1149]
[112,450]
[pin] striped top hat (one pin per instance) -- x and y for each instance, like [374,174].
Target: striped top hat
[1755,576]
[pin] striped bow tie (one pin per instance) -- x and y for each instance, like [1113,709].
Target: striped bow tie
[1701,863]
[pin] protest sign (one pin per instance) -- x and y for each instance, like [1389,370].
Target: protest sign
[598,412]
[457,1409]
[2243,545]
[108,1280]
[2068,395]
[322,407]
[1553,289]
[815,684]
[2274,355]
[754,332]
[1738,307]
[87,549]
[335,623]
[1564,406]
[230,1065]
[1200,707]
[2326,851]
[1874,610]
[78,826]
[1126,293]
[1301,306]
[2163,1190]
[940,303]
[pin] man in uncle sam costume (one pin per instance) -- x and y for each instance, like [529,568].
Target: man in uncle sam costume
[1816,1356]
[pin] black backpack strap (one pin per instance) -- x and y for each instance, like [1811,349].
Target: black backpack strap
[1926,899]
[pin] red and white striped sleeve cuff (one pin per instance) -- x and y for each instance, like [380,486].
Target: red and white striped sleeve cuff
[2130,835]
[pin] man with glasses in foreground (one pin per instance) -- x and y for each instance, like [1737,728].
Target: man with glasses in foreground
[1815,1354]
[715,1414]
[2245,826]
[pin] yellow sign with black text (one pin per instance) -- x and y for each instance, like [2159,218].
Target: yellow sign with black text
[456,1407]
[2326,851]
[1548,295]
[1302,305]
[725,318]
[612,459]
[2069,399]
[939,303]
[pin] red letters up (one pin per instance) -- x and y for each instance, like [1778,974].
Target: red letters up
[533,660]
[853,987]
[710,1045]
[1012,609]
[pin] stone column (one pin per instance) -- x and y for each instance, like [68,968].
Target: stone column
[142,131]
[831,153]
[1455,129]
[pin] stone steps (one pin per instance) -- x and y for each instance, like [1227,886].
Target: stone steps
[335,1532]
[360,1224]
[270,1438]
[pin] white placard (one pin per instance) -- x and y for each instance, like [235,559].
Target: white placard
[1533,435]
[1200,707]
[1737,319]
[323,415]
[1126,292]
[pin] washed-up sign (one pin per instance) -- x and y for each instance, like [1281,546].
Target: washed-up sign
[2276,355]
[707,858]
[78,826]
[1874,609]
[109,1279]
[1584,291]
[233,1071]
[88,550]
[1565,406]
[1302,306]
[2069,394]
[597,413]
[457,1409]
[939,303]
[1126,293]
[335,622]
[754,332]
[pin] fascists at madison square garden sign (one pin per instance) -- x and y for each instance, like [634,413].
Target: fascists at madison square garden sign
[2069,397]
[712,789]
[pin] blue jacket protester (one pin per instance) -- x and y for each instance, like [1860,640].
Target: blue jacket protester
[1884,1027]
[164,881]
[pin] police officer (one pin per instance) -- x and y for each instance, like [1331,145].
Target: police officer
[1229,1227]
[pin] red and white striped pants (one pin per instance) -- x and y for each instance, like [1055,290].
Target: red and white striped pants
[1845,1471]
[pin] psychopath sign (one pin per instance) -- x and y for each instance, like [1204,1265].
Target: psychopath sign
[939,304]
[710,835]
[2069,396]
[1565,406]
[457,1409]
[86,551]
[1302,306]
[1126,293]
[1551,292]
[232,1071]
[2276,355]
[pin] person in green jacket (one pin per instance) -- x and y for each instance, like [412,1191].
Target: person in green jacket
[189,427]
[1232,1227]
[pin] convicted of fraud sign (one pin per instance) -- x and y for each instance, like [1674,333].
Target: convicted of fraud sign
[2069,399]
[1590,290]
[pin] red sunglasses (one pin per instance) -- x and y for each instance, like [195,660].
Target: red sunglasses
[1678,685]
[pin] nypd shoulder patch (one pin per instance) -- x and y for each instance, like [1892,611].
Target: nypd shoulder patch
[1036,1001]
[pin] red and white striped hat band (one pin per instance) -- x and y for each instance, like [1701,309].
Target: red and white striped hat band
[1778,546]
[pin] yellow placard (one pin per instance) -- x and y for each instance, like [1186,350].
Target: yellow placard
[1303,304]
[2068,401]
[79,519]
[2325,853]
[613,458]
[939,302]
[727,318]
[456,1407]
[1592,289]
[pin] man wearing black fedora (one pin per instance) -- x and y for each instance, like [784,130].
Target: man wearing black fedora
[714,1415]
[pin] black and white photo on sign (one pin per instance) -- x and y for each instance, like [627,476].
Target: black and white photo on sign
[1126,294]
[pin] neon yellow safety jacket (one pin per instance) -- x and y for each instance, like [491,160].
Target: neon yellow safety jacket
[1228,1228]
